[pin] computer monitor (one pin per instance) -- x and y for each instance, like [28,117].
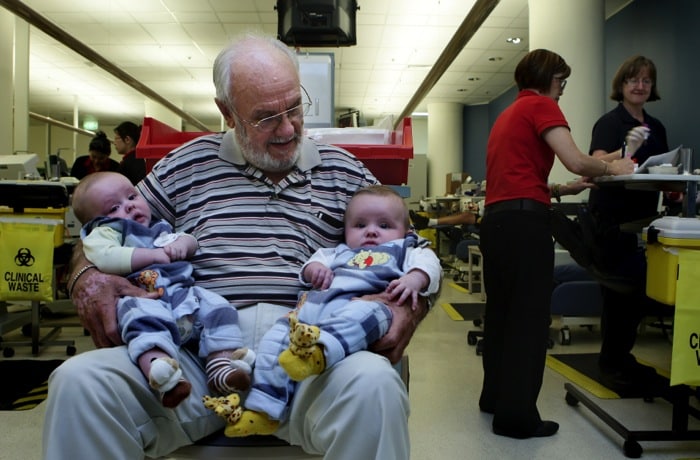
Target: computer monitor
[20,166]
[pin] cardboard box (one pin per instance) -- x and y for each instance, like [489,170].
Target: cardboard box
[664,236]
[454,180]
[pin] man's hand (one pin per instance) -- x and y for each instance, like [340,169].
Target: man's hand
[95,297]
[403,325]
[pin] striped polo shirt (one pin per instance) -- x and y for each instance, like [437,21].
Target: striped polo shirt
[254,235]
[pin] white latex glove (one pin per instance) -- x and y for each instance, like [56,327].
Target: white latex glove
[634,139]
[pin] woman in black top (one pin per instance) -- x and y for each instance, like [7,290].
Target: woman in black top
[627,130]
[97,159]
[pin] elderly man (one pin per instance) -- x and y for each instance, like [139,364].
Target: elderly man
[260,200]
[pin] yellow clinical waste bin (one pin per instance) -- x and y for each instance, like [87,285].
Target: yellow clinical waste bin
[664,236]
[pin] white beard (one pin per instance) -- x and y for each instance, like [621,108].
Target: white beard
[262,159]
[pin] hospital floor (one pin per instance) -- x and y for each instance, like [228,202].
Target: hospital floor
[445,422]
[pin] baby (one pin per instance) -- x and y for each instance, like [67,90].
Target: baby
[118,237]
[332,321]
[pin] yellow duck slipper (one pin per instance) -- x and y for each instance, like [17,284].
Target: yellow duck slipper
[304,357]
[251,423]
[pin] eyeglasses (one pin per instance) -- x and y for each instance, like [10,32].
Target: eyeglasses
[269,124]
[562,82]
[636,81]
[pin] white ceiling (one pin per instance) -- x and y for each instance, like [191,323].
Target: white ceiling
[170,45]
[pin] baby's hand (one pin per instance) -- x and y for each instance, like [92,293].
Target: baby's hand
[408,286]
[400,292]
[158,256]
[318,275]
[178,249]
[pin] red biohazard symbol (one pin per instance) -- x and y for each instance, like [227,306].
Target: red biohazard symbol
[24,258]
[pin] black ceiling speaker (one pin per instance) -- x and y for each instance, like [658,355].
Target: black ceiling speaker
[317,22]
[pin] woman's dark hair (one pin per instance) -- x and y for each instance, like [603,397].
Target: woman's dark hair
[630,69]
[129,129]
[538,67]
[100,143]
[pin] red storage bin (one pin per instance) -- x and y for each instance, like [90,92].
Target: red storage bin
[388,162]
[157,139]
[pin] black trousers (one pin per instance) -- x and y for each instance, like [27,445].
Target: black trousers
[518,269]
[620,319]
[623,311]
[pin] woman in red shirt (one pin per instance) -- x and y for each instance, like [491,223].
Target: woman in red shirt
[517,245]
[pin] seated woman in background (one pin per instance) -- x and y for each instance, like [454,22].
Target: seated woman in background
[421,222]
[97,158]
[472,216]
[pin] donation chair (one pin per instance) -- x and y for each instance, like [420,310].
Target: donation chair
[576,299]
[463,240]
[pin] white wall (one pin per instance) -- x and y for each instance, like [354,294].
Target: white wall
[418,166]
